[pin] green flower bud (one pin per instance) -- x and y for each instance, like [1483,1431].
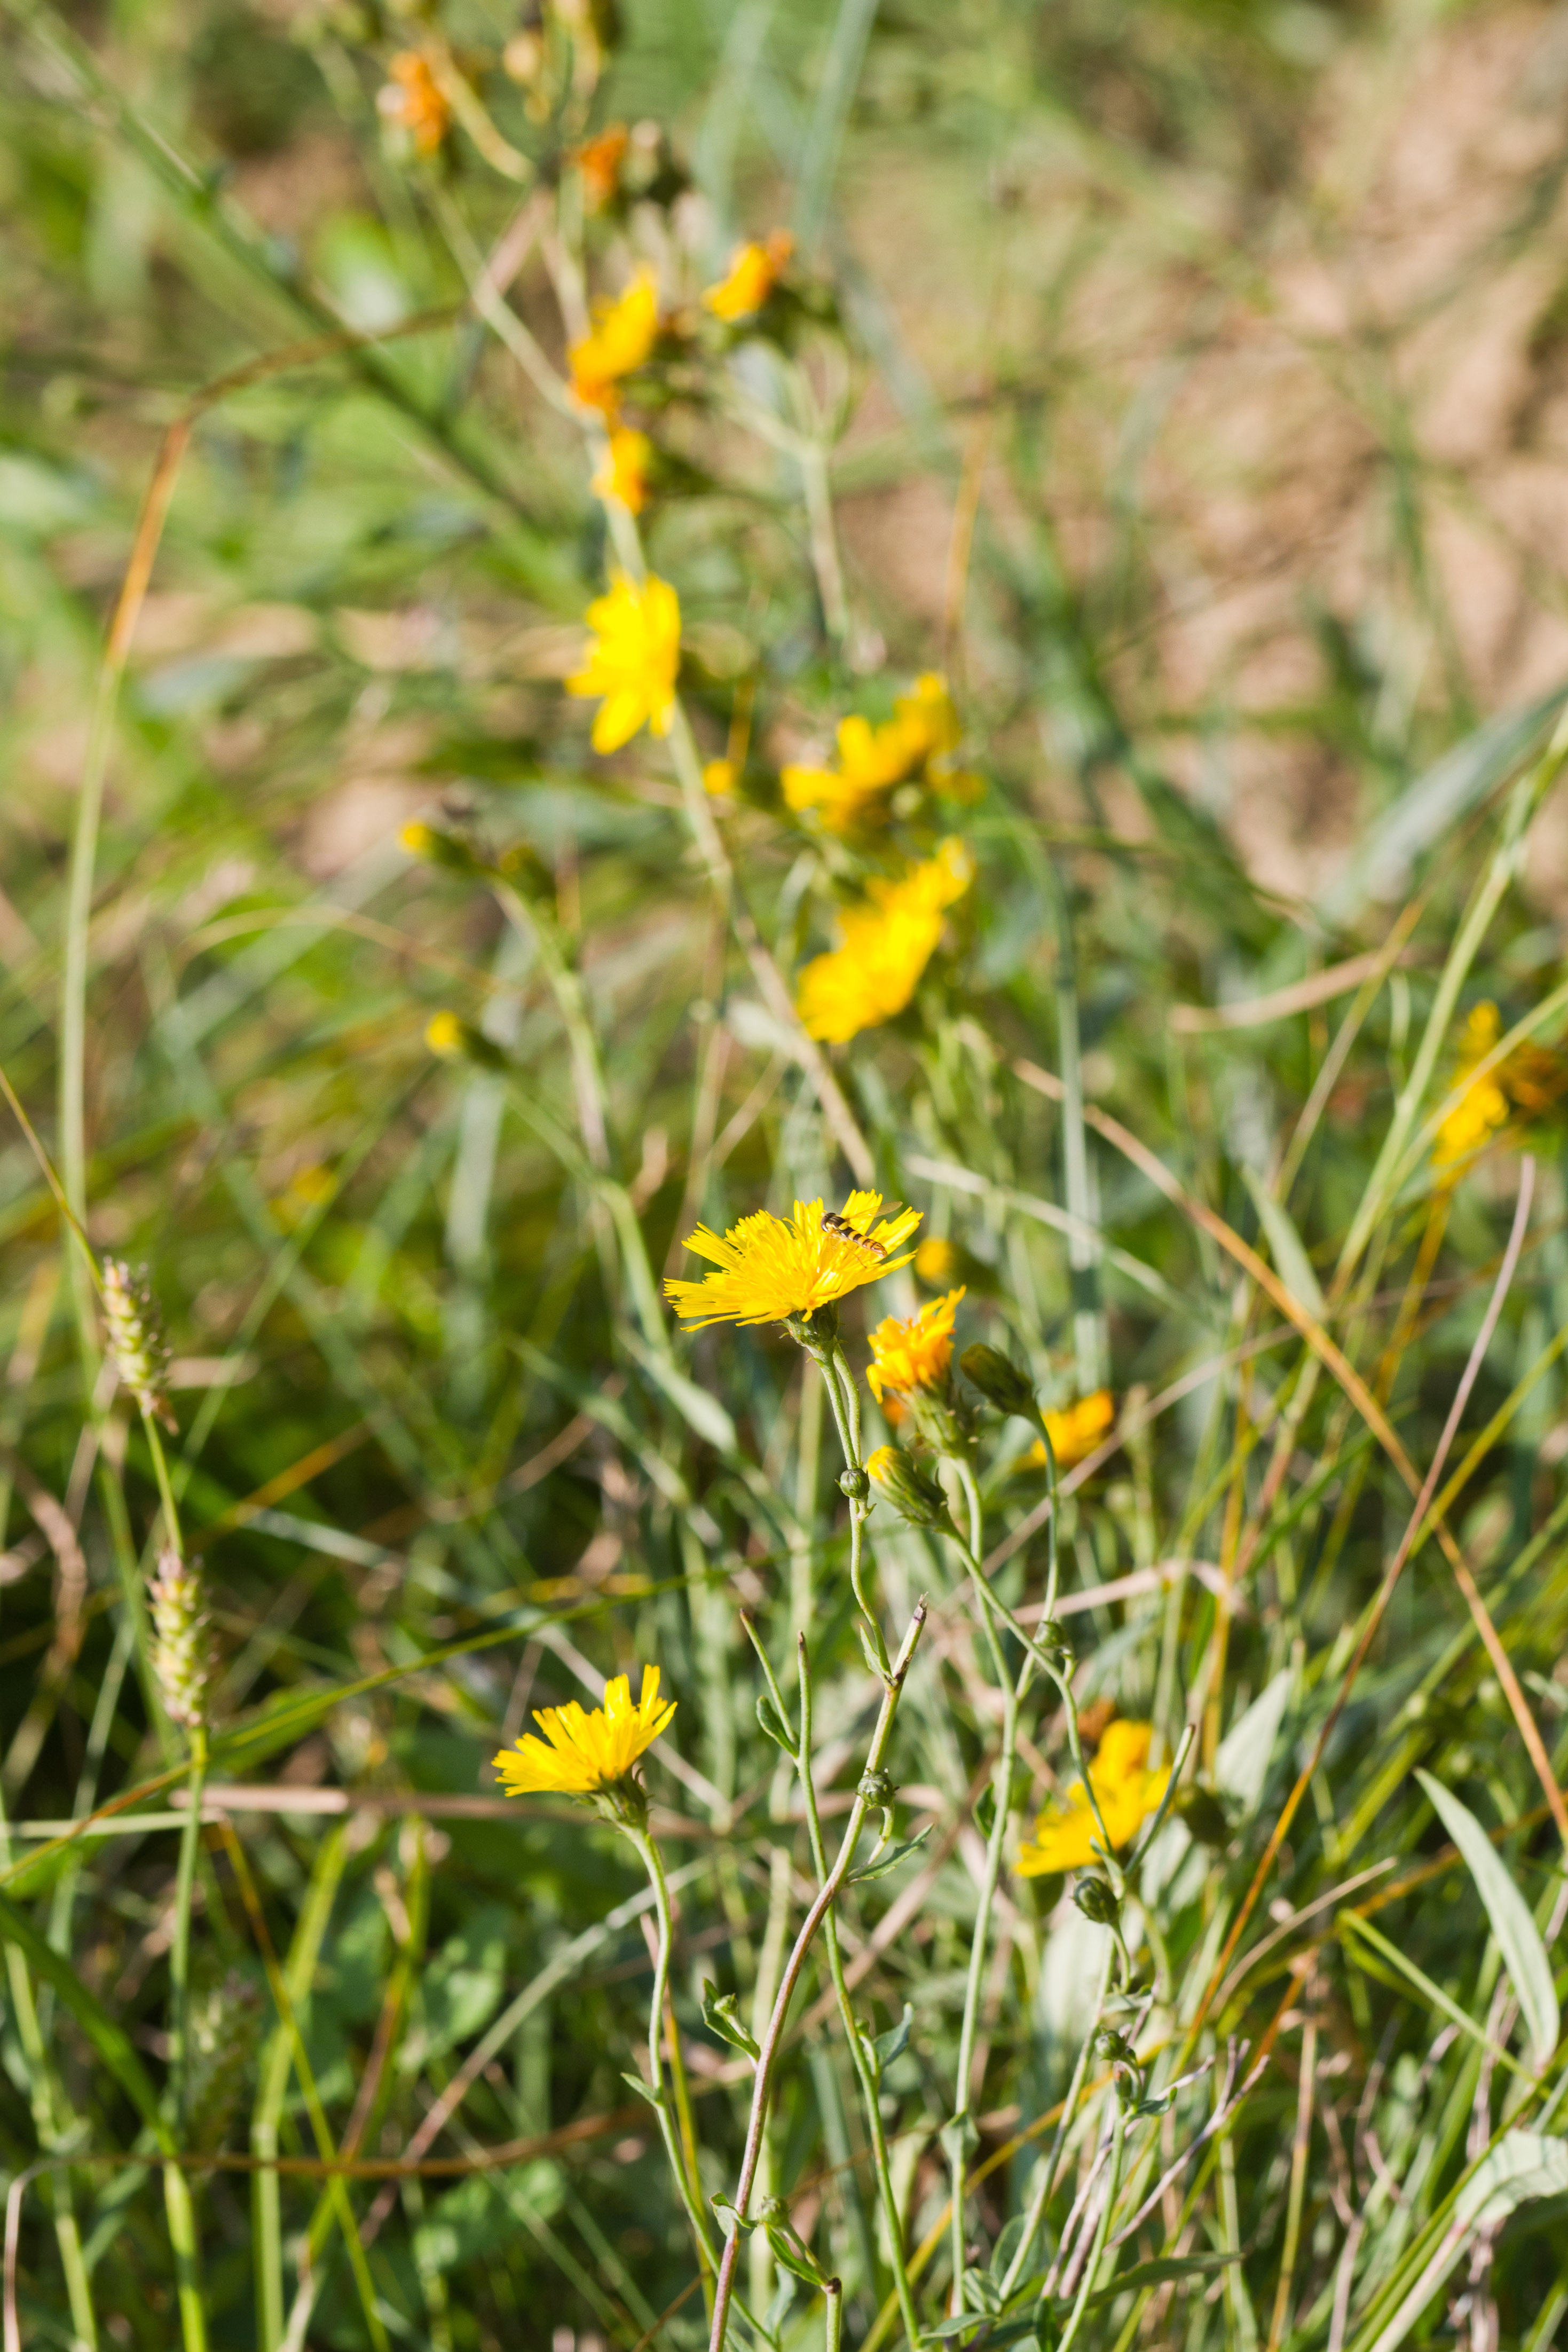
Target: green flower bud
[875,1788]
[1114,2047]
[999,1381]
[855,1483]
[1096,1900]
[913,1495]
[1051,1637]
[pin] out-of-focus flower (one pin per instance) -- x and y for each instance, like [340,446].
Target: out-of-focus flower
[886,946]
[1075,1430]
[719,777]
[413,100]
[771,1269]
[754,271]
[1127,1792]
[914,1354]
[936,1261]
[586,1752]
[624,333]
[873,760]
[624,473]
[1526,1080]
[598,161]
[632,659]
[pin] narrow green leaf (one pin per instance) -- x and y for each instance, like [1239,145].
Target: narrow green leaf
[112,2043]
[1518,1939]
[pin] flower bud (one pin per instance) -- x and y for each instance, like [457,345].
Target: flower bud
[456,1040]
[855,1483]
[180,1652]
[1096,1900]
[134,1333]
[913,1496]
[440,849]
[1114,2047]
[1051,1637]
[999,1381]
[876,1788]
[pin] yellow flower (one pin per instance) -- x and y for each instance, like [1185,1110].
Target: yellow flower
[885,946]
[1128,1793]
[624,333]
[771,1269]
[873,760]
[930,721]
[1075,1430]
[1528,1080]
[633,661]
[936,1261]
[754,271]
[586,1752]
[624,473]
[413,99]
[880,1462]
[443,1034]
[718,777]
[914,1354]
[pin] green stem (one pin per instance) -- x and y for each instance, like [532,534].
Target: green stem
[833,2316]
[839,1381]
[690,2192]
[179,1946]
[179,2207]
[1103,2230]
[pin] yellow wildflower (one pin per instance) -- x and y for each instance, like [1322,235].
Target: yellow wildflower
[719,777]
[1127,1792]
[599,160]
[632,661]
[1526,1080]
[443,1034]
[914,1354]
[413,98]
[624,473]
[1075,1430]
[936,1261]
[624,333]
[771,1268]
[885,946]
[754,271]
[586,1752]
[930,721]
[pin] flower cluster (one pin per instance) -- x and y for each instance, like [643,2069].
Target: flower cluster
[772,1269]
[886,944]
[134,1334]
[586,1752]
[180,1657]
[1127,1793]
[918,741]
[621,340]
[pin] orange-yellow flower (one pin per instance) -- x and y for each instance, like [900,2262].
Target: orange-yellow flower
[886,946]
[625,472]
[719,776]
[586,1752]
[1127,1792]
[624,333]
[599,160]
[914,1354]
[920,736]
[632,659]
[754,271]
[1526,1080]
[414,98]
[771,1268]
[1075,1430]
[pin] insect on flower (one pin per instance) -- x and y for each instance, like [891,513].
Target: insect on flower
[771,1268]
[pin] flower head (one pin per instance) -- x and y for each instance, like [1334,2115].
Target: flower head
[414,98]
[599,160]
[624,333]
[586,1752]
[886,944]
[921,733]
[624,473]
[913,1492]
[1127,1792]
[632,660]
[771,1268]
[936,1261]
[719,777]
[1526,1080]
[181,1659]
[916,1354]
[133,1331]
[754,271]
[1075,1430]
